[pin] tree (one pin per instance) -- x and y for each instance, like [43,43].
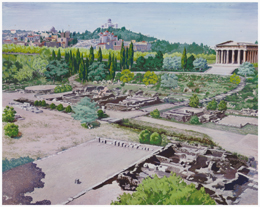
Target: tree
[155,113]
[140,62]
[144,136]
[53,56]
[91,55]
[109,60]
[246,69]
[122,56]
[86,69]
[56,69]
[131,55]
[43,103]
[256,42]
[150,78]
[82,71]
[59,55]
[155,139]
[158,60]
[60,107]
[100,114]
[190,61]
[165,191]
[112,68]
[172,63]
[194,120]
[235,79]
[222,106]
[194,101]
[97,72]
[52,106]
[11,130]
[184,59]
[85,110]
[9,114]
[212,105]
[68,109]
[200,63]
[99,57]
[126,76]
[169,80]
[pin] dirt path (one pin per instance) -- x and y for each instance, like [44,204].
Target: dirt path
[242,144]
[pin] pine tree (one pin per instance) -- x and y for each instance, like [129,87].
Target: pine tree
[81,72]
[126,58]
[184,59]
[59,55]
[91,55]
[122,56]
[99,58]
[109,60]
[53,57]
[131,55]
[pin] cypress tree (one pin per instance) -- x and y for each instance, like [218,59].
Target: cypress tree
[115,64]
[131,55]
[53,57]
[78,55]
[109,60]
[112,68]
[99,58]
[122,56]
[59,55]
[86,68]
[81,72]
[91,55]
[126,58]
[184,59]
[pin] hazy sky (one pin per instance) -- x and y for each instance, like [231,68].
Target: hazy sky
[207,23]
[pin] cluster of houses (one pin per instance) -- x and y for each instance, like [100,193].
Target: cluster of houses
[49,38]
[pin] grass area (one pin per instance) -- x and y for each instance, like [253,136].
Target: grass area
[248,129]
[9,164]
[179,134]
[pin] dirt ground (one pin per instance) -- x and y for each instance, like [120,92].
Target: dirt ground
[238,120]
[52,131]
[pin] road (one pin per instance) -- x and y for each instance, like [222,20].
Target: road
[242,144]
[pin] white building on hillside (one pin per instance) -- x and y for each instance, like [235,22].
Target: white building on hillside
[109,24]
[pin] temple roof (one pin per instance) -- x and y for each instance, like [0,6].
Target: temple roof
[233,43]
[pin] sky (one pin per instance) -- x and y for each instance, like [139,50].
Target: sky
[207,23]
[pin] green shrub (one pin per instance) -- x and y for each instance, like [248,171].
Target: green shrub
[43,103]
[222,106]
[100,114]
[144,136]
[39,103]
[212,105]
[60,107]
[8,115]
[36,103]
[235,79]
[197,90]
[194,101]
[165,191]
[9,164]
[52,106]
[11,130]
[190,84]
[155,139]
[68,109]
[62,89]
[155,113]
[194,120]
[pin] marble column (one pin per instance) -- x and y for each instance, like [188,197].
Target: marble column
[238,57]
[227,57]
[216,56]
[233,56]
[244,56]
[221,61]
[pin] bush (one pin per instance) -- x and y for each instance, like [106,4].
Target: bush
[60,107]
[43,103]
[222,106]
[144,136]
[194,101]
[8,115]
[155,113]
[212,105]
[68,109]
[11,130]
[100,114]
[36,103]
[235,79]
[62,89]
[9,164]
[194,120]
[165,191]
[190,84]
[155,139]
[52,106]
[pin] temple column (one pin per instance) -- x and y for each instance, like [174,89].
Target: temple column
[221,60]
[238,57]
[217,57]
[227,57]
[233,56]
[244,56]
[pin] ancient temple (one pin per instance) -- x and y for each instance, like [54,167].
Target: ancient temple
[236,53]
